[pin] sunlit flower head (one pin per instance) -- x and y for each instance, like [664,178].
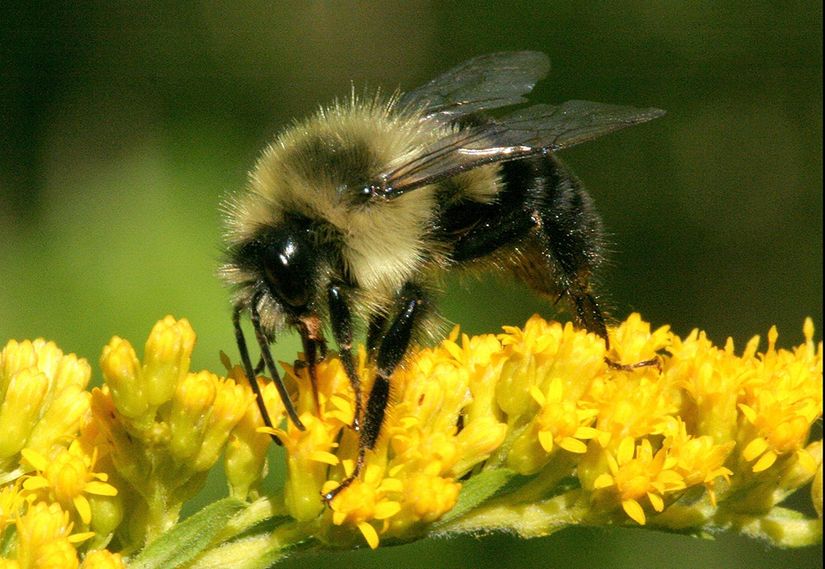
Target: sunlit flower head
[543,402]
[528,431]
[44,538]
[780,402]
[43,398]
[102,559]
[637,474]
[162,426]
[68,478]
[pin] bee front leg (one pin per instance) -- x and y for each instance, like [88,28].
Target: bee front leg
[312,340]
[310,359]
[341,321]
[391,351]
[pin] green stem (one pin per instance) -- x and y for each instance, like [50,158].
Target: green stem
[258,551]
[261,509]
[544,482]
[527,520]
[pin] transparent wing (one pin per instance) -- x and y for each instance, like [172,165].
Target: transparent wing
[526,132]
[485,82]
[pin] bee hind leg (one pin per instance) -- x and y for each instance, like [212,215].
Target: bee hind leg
[590,317]
[568,249]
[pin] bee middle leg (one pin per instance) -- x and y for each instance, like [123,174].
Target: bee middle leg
[391,350]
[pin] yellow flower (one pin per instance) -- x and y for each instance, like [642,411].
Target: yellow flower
[246,450]
[201,415]
[538,354]
[543,401]
[430,438]
[102,559]
[372,497]
[44,538]
[699,460]
[540,383]
[310,452]
[639,402]
[67,478]
[529,431]
[636,474]
[42,398]
[162,426]
[782,399]
[139,389]
[11,504]
[710,379]
[229,407]
[632,341]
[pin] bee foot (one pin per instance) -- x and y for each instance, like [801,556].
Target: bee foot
[328,497]
[634,366]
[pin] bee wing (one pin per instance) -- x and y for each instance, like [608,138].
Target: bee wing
[485,82]
[526,132]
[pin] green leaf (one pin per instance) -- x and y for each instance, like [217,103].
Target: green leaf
[477,490]
[188,538]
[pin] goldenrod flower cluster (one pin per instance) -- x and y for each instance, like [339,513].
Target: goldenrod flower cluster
[528,431]
[704,438]
[48,478]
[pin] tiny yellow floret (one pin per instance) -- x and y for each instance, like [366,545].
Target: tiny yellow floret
[67,478]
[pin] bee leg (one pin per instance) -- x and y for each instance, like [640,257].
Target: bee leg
[588,314]
[508,228]
[391,351]
[341,321]
[263,344]
[261,365]
[251,374]
[590,317]
[310,357]
[320,349]
[570,239]
[375,330]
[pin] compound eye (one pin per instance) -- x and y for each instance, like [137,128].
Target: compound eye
[288,268]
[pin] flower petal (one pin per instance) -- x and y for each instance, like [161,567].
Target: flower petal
[369,534]
[100,489]
[633,509]
[83,508]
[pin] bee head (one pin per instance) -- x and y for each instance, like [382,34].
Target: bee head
[285,258]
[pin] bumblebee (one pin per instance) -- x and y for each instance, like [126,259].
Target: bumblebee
[351,217]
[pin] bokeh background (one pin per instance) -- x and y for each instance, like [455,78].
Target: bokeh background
[122,126]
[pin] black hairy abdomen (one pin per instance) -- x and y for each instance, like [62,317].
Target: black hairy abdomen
[542,209]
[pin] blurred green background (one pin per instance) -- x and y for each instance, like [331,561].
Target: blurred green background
[122,126]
